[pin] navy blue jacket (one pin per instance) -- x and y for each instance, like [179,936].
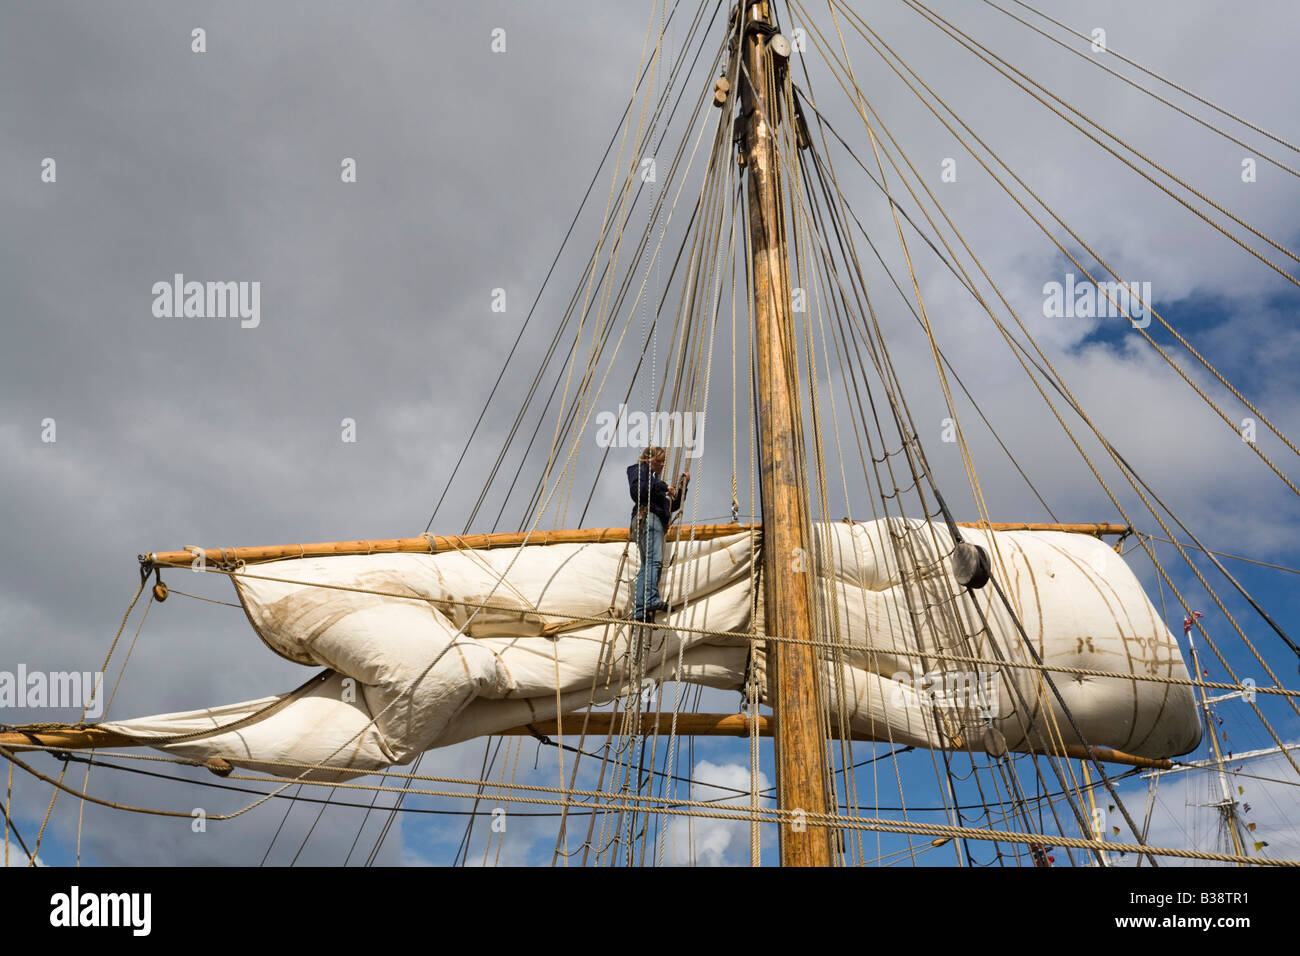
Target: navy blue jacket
[649,490]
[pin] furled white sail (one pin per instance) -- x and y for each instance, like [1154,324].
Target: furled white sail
[427,650]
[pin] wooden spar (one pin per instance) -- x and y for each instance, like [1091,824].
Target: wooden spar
[426,544]
[483,542]
[602,723]
[595,724]
[68,738]
[1096,529]
[800,745]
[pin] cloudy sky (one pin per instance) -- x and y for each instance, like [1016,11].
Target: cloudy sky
[377,307]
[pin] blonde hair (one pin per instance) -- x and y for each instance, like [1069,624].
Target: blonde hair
[651,453]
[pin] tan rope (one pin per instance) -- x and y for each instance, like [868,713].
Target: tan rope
[1097,62]
[1068,253]
[706,810]
[9,792]
[1113,454]
[747,635]
[1110,51]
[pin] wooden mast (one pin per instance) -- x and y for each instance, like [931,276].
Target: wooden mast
[799,742]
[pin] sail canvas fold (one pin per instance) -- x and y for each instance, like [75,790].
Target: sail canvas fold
[426,650]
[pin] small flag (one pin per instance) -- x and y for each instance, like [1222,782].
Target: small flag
[1187,622]
[1241,791]
[1250,827]
[1261,844]
[1110,808]
[1247,806]
[1116,829]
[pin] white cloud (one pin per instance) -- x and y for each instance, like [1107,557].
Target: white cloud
[1184,817]
[706,841]
[20,859]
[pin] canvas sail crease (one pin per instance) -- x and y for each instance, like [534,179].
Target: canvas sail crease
[413,662]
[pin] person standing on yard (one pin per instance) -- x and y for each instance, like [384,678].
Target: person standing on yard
[653,504]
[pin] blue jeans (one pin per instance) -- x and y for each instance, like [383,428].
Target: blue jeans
[650,545]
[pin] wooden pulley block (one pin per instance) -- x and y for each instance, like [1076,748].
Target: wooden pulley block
[160,592]
[802,137]
[970,565]
[995,742]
